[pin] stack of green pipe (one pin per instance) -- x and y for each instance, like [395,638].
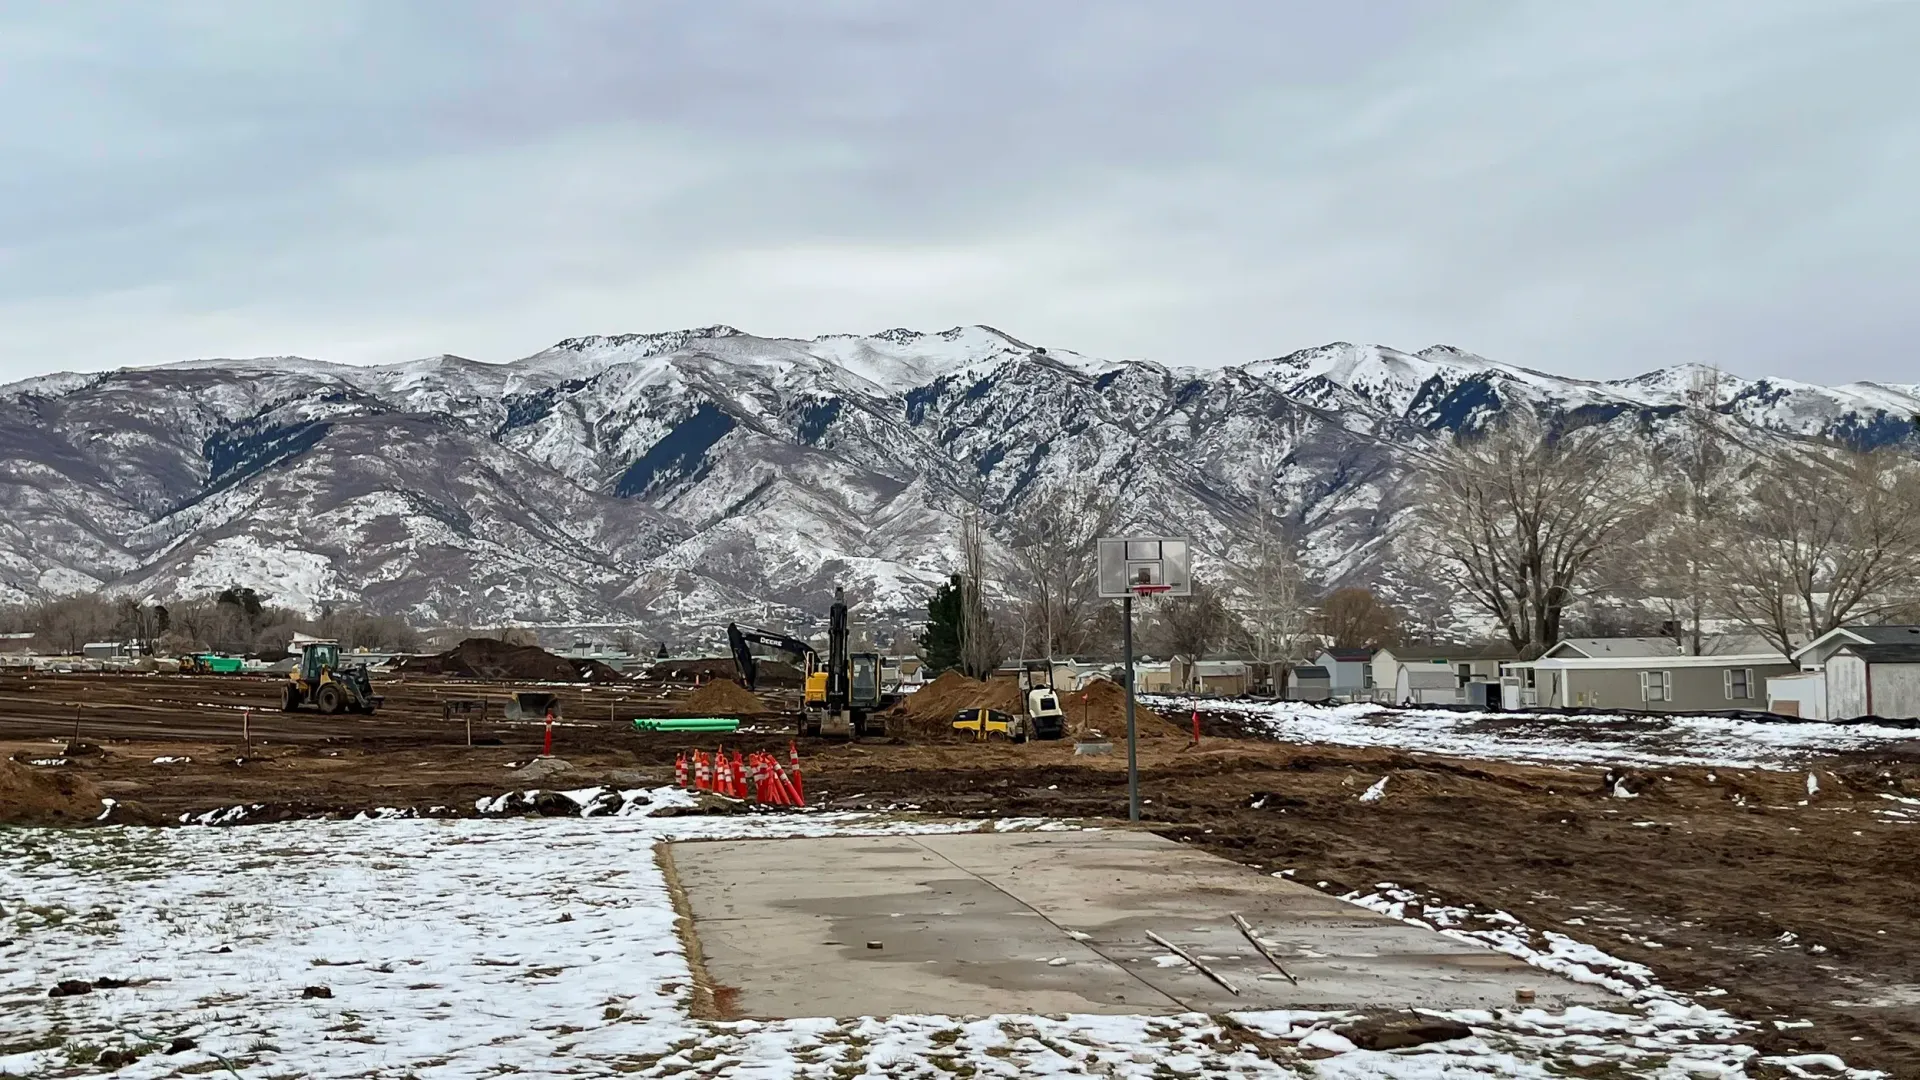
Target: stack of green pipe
[686,723]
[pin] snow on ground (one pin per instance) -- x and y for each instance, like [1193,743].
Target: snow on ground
[1533,737]
[444,948]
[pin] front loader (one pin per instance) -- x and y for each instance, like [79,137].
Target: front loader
[320,681]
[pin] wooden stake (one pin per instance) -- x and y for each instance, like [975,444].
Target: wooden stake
[1262,946]
[1198,966]
[246,728]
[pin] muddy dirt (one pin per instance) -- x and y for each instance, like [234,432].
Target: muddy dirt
[1799,906]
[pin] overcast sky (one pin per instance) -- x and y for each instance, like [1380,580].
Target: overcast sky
[1593,188]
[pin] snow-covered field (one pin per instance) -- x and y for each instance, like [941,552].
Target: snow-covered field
[1599,740]
[476,948]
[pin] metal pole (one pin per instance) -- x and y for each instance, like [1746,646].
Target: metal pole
[1133,765]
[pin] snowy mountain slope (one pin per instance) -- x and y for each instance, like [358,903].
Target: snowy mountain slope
[680,479]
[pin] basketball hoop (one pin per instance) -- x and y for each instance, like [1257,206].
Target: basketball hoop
[1149,589]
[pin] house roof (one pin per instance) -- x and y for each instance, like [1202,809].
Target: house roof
[1597,648]
[1889,634]
[1902,653]
[1311,671]
[1453,652]
[1350,655]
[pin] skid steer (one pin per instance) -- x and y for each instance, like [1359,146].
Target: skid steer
[320,681]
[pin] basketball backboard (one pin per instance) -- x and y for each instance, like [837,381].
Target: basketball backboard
[1161,563]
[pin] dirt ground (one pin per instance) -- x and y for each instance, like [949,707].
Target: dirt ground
[1799,907]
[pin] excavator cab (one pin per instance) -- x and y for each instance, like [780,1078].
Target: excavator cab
[863,690]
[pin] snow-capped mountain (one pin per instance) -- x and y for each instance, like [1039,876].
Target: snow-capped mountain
[678,480]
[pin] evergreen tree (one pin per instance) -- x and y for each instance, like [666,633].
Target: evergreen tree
[940,644]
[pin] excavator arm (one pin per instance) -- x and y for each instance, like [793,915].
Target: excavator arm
[739,638]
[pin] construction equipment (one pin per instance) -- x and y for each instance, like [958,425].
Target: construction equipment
[319,680]
[843,698]
[1045,719]
[741,638]
[981,723]
[843,690]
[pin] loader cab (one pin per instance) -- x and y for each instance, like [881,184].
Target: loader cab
[316,657]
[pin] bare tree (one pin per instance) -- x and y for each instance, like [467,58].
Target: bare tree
[1522,515]
[1270,594]
[980,648]
[1056,563]
[1354,618]
[70,622]
[1824,538]
[1191,626]
[1692,493]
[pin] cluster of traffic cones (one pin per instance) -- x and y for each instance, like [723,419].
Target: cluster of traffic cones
[757,777]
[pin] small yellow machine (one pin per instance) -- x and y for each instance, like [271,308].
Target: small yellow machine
[983,723]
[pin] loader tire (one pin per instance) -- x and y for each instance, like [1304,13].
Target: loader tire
[289,698]
[329,699]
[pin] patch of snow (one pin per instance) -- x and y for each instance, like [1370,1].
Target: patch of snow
[1551,739]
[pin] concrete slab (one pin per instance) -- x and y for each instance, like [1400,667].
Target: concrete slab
[979,923]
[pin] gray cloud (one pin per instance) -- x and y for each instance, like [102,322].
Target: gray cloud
[1595,189]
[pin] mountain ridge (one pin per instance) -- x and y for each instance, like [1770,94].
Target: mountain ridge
[679,479]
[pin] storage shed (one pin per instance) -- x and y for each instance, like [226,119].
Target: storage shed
[1874,680]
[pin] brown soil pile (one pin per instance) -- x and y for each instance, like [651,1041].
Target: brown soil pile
[773,674]
[31,796]
[1102,707]
[952,691]
[721,698]
[486,658]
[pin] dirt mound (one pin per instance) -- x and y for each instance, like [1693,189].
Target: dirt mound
[595,671]
[772,674]
[1102,707]
[721,698]
[929,711]
[486,658]
[35,797]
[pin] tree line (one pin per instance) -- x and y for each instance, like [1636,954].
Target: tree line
[235,620]
[1262,603]
[1547,526]
[1536,518]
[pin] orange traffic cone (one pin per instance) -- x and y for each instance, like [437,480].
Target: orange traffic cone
[790,790]
[797,781]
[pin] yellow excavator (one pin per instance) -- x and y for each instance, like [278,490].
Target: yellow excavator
[843,691]
[320,681]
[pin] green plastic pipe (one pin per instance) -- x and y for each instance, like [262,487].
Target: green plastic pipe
[688,723]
